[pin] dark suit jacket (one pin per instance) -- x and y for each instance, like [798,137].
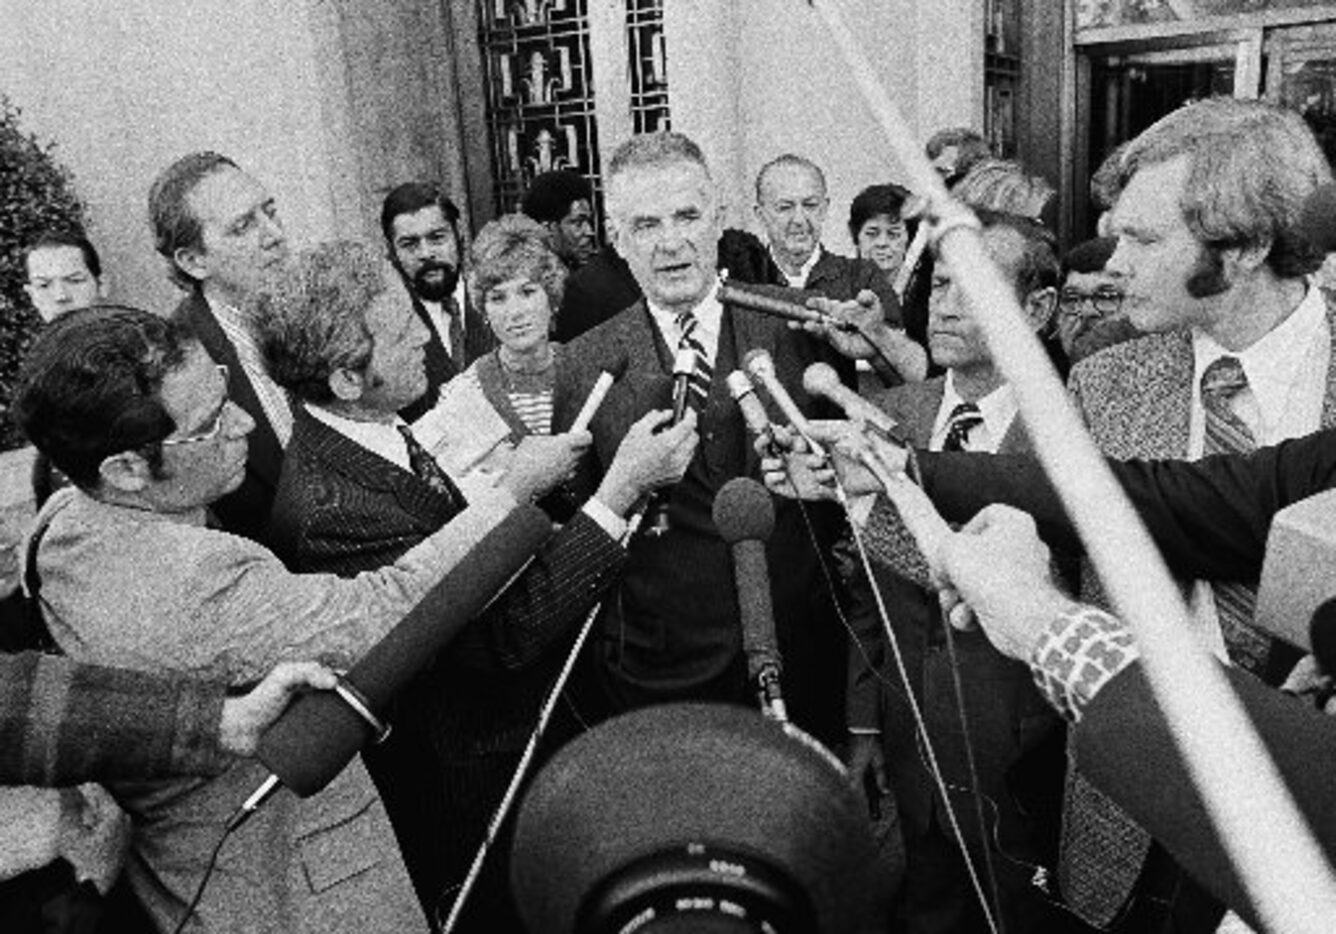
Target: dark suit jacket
[673,632]
[342,509]
[478,340]
[1007,716]
[244,511]
[1124,747]
[843,277]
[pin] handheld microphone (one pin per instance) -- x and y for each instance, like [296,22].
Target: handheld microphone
[779,302]
[592,402]
[320,732]
[753,412]
[745,517]
[760,365]
[820,379]
[654,517]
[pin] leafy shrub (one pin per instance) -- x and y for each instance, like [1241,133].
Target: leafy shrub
[36,194]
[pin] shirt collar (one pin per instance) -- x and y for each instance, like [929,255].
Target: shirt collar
[800,280]
[1273,361]
[998,409]
[709,319]
[380,438]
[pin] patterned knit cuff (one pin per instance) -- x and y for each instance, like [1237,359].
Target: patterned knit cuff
[1080,652]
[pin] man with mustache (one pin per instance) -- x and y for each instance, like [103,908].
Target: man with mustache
[421,228]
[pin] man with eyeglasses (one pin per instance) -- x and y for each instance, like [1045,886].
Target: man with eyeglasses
[134,411]
[421,228]
[1090,302]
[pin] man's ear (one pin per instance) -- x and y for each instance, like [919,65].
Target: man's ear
[103,286]
[1239,261]
[126,472]
[191,261]
[347,385]
[1039,307]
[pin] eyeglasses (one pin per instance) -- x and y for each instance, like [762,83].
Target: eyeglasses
[1103,301]
[215,425]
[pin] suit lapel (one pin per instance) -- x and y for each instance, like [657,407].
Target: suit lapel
[341,455]
[265,455]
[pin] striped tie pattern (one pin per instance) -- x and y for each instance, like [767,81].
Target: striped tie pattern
[1226,433]
[964,419]
[703,373]
[426,469]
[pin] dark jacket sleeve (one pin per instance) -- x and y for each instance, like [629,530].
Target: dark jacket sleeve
[1124,747]
[1209,517]
[62,723]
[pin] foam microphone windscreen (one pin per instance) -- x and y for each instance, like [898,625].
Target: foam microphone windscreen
[319,734]
[1299,573]
[1318,219]
[744,515]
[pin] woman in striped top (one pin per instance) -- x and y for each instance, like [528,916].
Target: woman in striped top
[516,280]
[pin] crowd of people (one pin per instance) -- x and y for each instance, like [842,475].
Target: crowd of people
[239,498]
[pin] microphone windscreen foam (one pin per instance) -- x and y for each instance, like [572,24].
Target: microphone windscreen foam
[744,511]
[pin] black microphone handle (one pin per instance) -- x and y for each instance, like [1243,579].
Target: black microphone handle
[655,520]
[320,732]
[755,610]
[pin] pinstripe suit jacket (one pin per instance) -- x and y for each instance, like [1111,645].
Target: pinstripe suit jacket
[342,509]
[1136,399]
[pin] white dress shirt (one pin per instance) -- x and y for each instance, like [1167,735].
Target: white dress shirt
[998,409]
[237,328]
[709,321]
[800,280]
[384,440]
[1287,386]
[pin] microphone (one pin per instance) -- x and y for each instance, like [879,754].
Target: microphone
[753,412]
[745,517]
[760,365]
[320,732]
[820,379]
[684,364]
[778,302]
[1318,218]
[592,402]
[654,516]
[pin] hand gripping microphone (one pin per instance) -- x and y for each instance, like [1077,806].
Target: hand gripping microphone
[745,516]
[320,732]
[655,518]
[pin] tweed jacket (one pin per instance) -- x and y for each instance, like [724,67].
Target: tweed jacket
[146,590]
[478,340]
[1136,398]
[673,631]
[63,722]
[244,511]
[1007,716]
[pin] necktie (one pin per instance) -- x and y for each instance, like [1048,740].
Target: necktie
[702,374]
[1226,433]
[964,419]
[426,469]
[456,319]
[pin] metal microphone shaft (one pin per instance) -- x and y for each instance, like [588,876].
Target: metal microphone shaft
[762,368]
[779,307]
[820,379]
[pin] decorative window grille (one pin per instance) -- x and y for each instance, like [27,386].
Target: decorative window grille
[540,88]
